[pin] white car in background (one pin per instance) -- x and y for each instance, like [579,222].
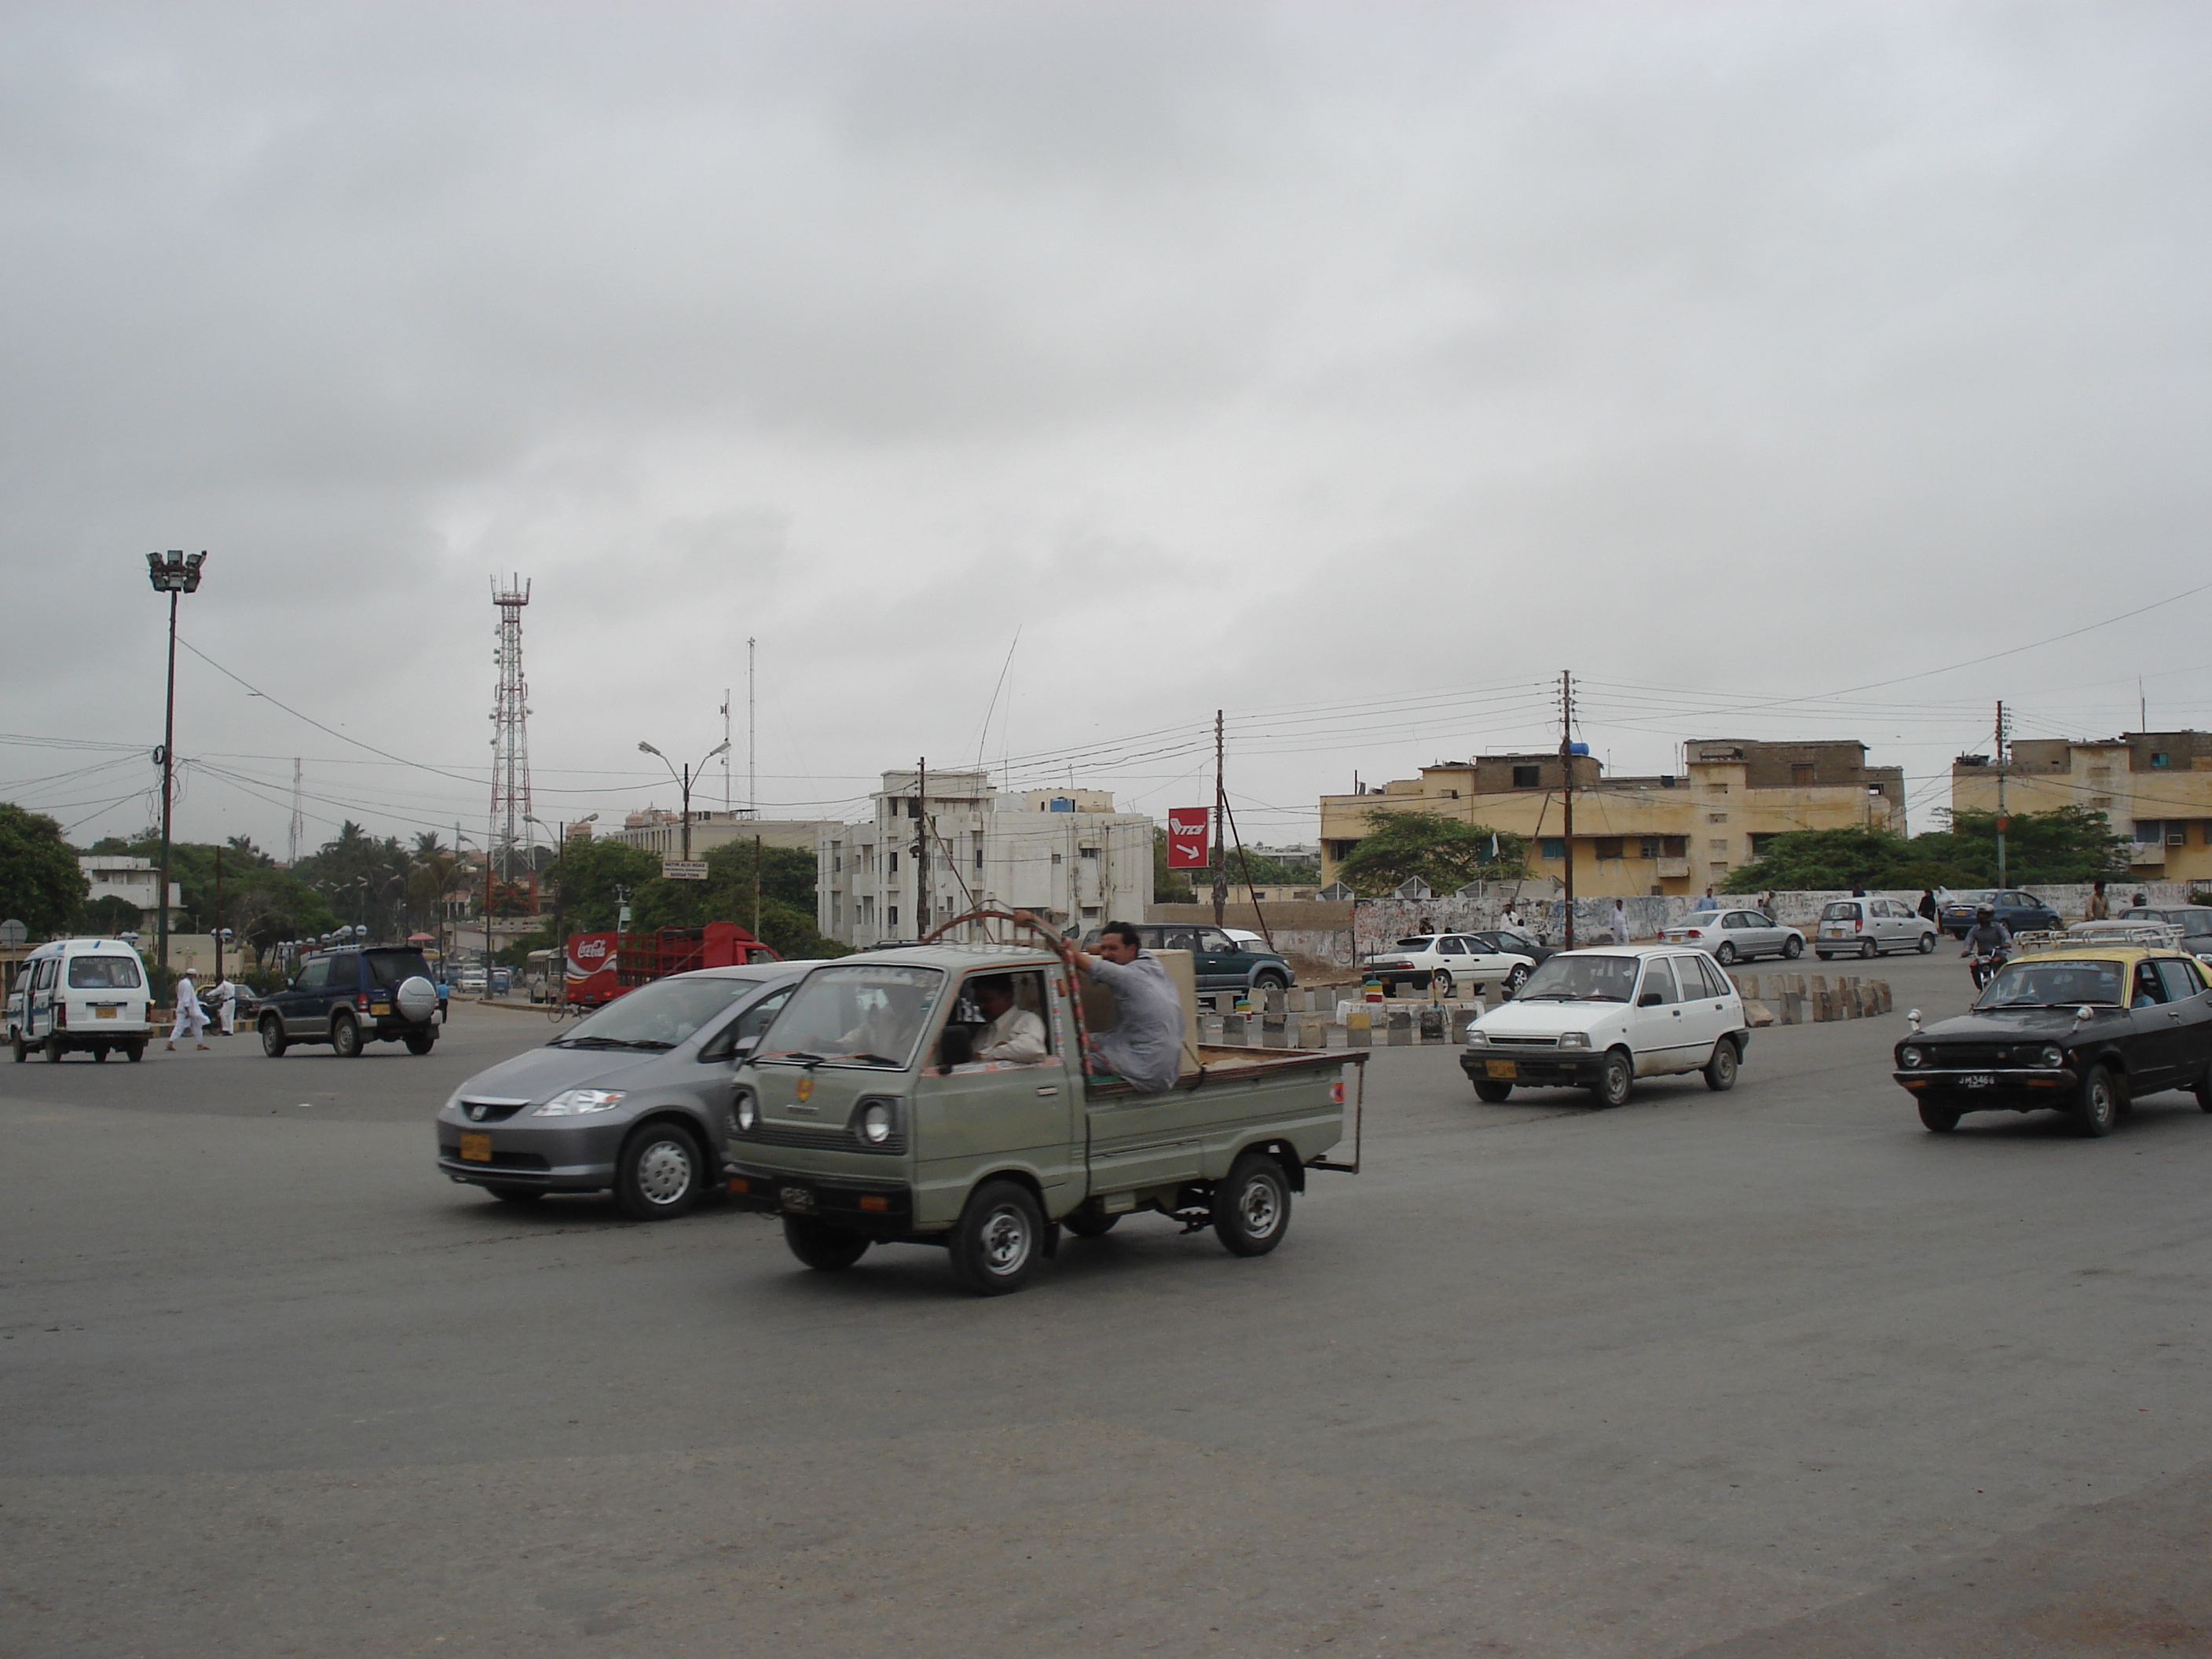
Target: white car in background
[1737,935]
[1599,1019]
[1871,927]
[1449,962]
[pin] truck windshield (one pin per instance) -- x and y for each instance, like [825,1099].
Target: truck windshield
[1581,979]
[659,1015]
[866,1014]
[2048,984]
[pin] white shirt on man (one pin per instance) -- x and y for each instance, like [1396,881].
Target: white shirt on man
[1017,1035]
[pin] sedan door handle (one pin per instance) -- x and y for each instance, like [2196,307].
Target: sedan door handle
[1053,1090]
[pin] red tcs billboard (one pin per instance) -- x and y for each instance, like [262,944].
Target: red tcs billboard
[1187,848]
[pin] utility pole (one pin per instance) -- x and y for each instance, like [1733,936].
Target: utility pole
[757,878]
[1567,787]
[921,849]
[1220,799]
[752,734]
[216,929]
[2001,800]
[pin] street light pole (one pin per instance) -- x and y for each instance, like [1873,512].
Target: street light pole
[683,782]
[173,574]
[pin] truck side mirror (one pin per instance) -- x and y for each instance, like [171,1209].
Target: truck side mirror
[957,1047]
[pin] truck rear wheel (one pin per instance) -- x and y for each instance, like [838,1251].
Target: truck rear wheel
[1252,1208]
[1088,1224]
[822,1247]
[994,1243]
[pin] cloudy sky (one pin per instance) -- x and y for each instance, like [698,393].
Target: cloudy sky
[1353,368]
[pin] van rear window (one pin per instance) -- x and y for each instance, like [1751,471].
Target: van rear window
[103,974]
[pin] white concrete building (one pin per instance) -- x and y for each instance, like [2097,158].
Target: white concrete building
[1065,854]
[134,880]
[659,831]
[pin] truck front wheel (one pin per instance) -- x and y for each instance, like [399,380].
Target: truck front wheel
[1252,1208]
[994,1244]
[822,1247]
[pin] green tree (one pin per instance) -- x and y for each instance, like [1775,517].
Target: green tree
[589,873]
[1444,852]
[787,898]
[1169,886]
[2070,844]
[40,884]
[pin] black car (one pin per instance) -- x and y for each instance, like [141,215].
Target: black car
[2087,1032]
[2019,912]
[348,999]
[2194,922]
[1517,945]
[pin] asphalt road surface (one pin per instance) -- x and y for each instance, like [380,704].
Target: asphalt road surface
[1773,1372]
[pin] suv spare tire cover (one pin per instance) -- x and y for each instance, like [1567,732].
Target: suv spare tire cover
[416,999]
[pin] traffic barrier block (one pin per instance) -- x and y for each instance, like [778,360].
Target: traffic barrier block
[1756,1013]
[1432,1025]
[1232,1030]
[1461,1019]
[1277,1002]
[1358,1036]
[1881,990]
[1274,1032]
[1400,1033]
[1313,1031]
[1793,1008]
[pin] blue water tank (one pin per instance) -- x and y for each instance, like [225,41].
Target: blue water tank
[1578,749]
[1062,803]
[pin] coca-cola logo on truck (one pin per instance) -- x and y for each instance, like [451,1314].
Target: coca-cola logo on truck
[591,950]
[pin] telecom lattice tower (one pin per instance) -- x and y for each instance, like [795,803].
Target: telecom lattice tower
[510,714]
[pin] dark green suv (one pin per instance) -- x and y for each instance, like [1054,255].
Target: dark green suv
[1218,962]
[349,999]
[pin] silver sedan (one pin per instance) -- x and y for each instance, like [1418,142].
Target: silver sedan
[1737,935]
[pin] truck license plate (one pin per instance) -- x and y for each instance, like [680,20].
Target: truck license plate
[796,1198]
[477,1148]
[1977,1080]
[1501,1068]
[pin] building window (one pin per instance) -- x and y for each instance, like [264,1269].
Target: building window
[1719,843]
[1760,841]
[892,912]
[890,863]
[1718,868]
[1552,849]
[1525,777]
[1650,847]
[1609,846]
[1800,772]
[2150,832]
[2161,759]
[1056,858]
[1716,818]
[1090,852]
[1675,847]
[979,858]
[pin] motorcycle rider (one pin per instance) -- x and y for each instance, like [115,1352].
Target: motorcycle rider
[1988,943]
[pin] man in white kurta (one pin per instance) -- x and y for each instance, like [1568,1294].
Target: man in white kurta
[191,1018]
[226,1005]
[1013,1034]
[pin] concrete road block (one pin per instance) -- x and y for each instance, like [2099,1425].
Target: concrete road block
[1313,1031]
[1400,1032]
[1756,1013]
[1232,1030]
[1358,1036]
[1461,1019]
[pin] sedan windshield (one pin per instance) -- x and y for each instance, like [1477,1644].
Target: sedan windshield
[1581,979]
[659,1015]
[2044,983]
[866,1014]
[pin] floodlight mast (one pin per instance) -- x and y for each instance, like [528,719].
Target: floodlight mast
[173,574]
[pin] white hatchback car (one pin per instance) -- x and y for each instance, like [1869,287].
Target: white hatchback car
[1599,1019]
[1871,927]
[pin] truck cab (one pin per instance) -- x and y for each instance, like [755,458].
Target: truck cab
[874,1111]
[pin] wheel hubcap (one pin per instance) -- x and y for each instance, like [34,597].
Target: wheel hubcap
[1257,1208]
[663,1173]
[1006,1241]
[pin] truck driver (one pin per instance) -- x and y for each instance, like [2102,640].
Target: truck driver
[1013,1034]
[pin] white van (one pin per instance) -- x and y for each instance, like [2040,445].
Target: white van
[79,994]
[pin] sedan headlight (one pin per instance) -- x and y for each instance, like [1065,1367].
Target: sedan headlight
[1574,1039]
[2051,1054]
[1476,1036]
[1911,1054]
[876,1121]
[748,1111]
[581,1102]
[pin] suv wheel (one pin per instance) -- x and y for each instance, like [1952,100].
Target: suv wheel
[272,1036]
[656,1177]
[1270,983]
[345,1037]
[421,1043]
[995,1241]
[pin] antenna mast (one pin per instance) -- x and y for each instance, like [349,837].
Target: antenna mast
[726,751]
[510,711]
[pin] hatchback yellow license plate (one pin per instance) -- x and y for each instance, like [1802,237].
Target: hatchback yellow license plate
[1503,1069]
[477,1148]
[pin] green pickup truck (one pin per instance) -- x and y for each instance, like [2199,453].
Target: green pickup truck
[884,1106]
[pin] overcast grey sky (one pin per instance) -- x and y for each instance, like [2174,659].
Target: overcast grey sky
[1354,368]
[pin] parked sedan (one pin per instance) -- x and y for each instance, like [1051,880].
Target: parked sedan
[2019,912]
[636,1097]
[2085,1029]
[1449,962]
[1737,935]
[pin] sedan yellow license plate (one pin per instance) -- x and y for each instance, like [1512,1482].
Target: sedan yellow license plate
[477,1148]
[1501,1068]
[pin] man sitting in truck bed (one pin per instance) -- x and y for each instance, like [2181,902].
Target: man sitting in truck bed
[1145,1048]
[1013,1034]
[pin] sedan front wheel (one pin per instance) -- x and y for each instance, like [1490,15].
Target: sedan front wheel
[2099,1103]
[1793,947]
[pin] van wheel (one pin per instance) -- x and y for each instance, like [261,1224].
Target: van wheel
[272,1036]
[23,1049]
[135,1053]
[1085,1224]
[1493,1094]
[53,1050]
[1720,1070]
[994,1243]
[822,1247]
[99,1052]
[1793,947]
[1937,1120]
[2099,1103]
[421,1043]
[1252,1208]
[1616,1080]
[656,1177]
[345,1037]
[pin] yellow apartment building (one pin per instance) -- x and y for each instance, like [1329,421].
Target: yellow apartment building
[1641,835]
[2155,787]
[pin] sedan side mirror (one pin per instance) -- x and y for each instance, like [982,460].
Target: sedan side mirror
[1650,999]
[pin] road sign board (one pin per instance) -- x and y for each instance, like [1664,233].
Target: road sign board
[12,933]
[678,870]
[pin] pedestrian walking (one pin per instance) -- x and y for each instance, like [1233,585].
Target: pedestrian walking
[191,1018]
[1620,923]
[1928,904]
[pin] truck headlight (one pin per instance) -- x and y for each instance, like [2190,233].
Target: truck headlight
[2051,1054]
[748,1111]
[1911,1054]
[1574,1039]
[877,1120]
[581,1102]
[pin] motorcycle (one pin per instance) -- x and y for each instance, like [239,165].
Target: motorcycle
[1984,965]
